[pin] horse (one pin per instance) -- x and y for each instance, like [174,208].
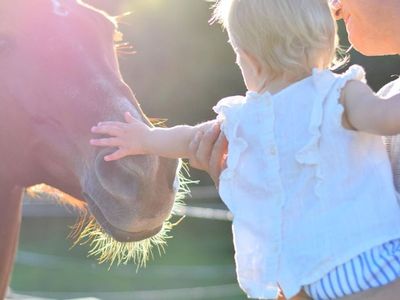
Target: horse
[59,76]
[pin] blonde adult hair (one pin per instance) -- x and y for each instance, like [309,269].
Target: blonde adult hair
[287,36]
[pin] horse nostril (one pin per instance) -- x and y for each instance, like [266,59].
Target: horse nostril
[139,166]
[115,180]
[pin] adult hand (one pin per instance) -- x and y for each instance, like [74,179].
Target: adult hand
[209,151]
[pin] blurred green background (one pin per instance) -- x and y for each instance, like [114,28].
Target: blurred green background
[181,68]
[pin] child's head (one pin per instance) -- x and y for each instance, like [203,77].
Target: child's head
[287,37]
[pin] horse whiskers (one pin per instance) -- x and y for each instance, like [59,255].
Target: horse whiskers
[79,226]
[106,249]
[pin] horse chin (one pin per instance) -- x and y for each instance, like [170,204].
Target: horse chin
[116,233]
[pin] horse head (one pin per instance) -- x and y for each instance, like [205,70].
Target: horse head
[59,76]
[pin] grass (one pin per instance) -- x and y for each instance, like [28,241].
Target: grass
[199,255]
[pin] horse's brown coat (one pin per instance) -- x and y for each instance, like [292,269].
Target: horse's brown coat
[59,75]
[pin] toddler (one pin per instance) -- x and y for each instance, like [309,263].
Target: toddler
[308,179]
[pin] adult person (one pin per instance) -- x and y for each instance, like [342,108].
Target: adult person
[374,29]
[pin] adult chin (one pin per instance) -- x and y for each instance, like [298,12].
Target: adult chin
[369,44]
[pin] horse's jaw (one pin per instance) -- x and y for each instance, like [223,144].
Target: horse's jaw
[110,243]
[118,234]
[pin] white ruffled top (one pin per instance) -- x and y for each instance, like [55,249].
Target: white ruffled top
[306,194]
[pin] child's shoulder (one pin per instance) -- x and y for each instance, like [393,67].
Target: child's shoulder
[350,82]
[354,72]
[231,101]
[228,110]
[354,83]
[229,104]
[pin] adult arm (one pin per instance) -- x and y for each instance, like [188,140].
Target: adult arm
[365,111]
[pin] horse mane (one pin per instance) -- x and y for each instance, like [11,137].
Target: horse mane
[49,192]
[120,46]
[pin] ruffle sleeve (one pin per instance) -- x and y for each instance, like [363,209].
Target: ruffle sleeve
[324,81]
[310,154]
[227,110]
[355,72]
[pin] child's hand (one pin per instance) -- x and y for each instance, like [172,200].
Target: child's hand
[130,138]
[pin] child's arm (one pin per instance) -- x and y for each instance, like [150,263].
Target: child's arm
[135,137]
[364,111]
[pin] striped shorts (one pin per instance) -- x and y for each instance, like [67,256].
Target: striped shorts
[371,269]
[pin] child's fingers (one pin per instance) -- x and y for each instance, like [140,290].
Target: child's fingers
[110,129]
[116,155]
[109,142]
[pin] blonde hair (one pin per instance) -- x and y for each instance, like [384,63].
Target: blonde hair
[287,36]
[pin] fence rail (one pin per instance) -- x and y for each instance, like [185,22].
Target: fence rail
[41,208]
